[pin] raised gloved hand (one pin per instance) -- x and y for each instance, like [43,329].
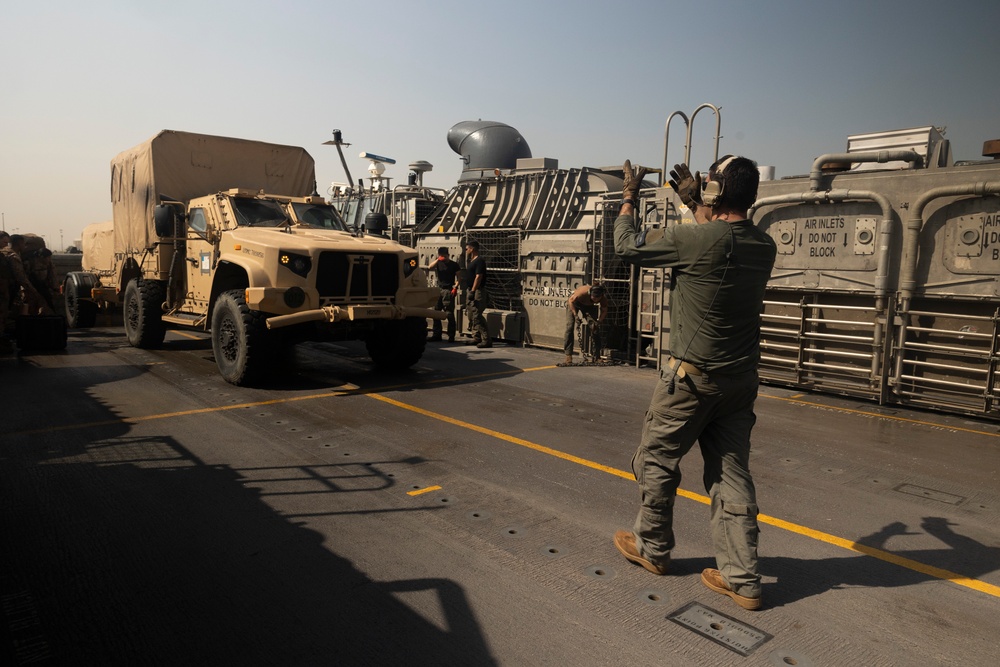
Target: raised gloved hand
[633,181]
[687,187]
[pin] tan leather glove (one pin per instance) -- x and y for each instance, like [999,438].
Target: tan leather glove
[633,181]
[687,187]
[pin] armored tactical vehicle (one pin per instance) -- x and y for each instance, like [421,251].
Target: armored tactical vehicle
[224,235]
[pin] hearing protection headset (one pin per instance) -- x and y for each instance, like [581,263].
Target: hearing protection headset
[711,191]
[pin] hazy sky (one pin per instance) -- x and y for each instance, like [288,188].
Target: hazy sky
[587,83]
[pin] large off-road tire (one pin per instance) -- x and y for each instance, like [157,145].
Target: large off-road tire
[397,344]
[143,311]
[240,340]
[81,312]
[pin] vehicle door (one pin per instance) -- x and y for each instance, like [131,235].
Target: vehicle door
[201,258]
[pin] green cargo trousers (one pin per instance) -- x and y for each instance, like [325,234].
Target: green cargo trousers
[475,303]
[717,411]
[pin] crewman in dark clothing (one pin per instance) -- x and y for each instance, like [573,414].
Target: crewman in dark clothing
[42,275]
[21,283]
[446,270]
[7,285]
[476,298]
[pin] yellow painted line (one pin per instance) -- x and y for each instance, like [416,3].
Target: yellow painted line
[458,380]
[348,390]
[794,399]
[886,556]
[503,436]
[850,545]
[185,334]
[183,413]
[422,491]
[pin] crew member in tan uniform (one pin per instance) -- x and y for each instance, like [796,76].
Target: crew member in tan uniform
[592,302]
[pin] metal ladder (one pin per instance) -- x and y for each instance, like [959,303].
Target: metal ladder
[649,316]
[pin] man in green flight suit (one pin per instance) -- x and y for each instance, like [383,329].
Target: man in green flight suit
[708,385]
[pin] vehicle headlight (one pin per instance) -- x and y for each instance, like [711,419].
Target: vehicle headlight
[300,265]
[409,266]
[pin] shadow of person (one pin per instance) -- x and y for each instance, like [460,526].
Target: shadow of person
[878,539]
[874,566]
[965,556]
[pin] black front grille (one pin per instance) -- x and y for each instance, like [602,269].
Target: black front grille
[357,277]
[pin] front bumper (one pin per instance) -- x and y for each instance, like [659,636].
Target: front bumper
[352,313]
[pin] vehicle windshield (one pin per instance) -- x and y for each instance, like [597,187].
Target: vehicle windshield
[319,215]
[258,213]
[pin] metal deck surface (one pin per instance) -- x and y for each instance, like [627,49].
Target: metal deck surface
[462,514]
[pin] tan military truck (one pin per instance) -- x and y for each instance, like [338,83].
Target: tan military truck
[223,235]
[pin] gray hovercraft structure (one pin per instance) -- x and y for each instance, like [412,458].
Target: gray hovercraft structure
[544,231]
[885,288]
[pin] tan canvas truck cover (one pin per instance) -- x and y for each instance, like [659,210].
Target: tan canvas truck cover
[98,242]
[180,166]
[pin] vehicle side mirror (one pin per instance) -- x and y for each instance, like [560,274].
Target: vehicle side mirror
[165,220]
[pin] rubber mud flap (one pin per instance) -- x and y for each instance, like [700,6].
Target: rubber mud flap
[40,333]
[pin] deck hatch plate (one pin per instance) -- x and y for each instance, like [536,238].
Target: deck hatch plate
[721,629]
[930,494]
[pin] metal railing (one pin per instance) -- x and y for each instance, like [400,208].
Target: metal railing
[830,344]
[949,360]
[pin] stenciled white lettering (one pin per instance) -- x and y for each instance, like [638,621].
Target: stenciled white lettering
[825,251]
[547,290]
[545,303]
[824,223]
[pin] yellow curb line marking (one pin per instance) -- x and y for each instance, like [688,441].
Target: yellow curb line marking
[420,491]
[850,545]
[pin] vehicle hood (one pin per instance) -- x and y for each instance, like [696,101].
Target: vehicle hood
[305,239]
